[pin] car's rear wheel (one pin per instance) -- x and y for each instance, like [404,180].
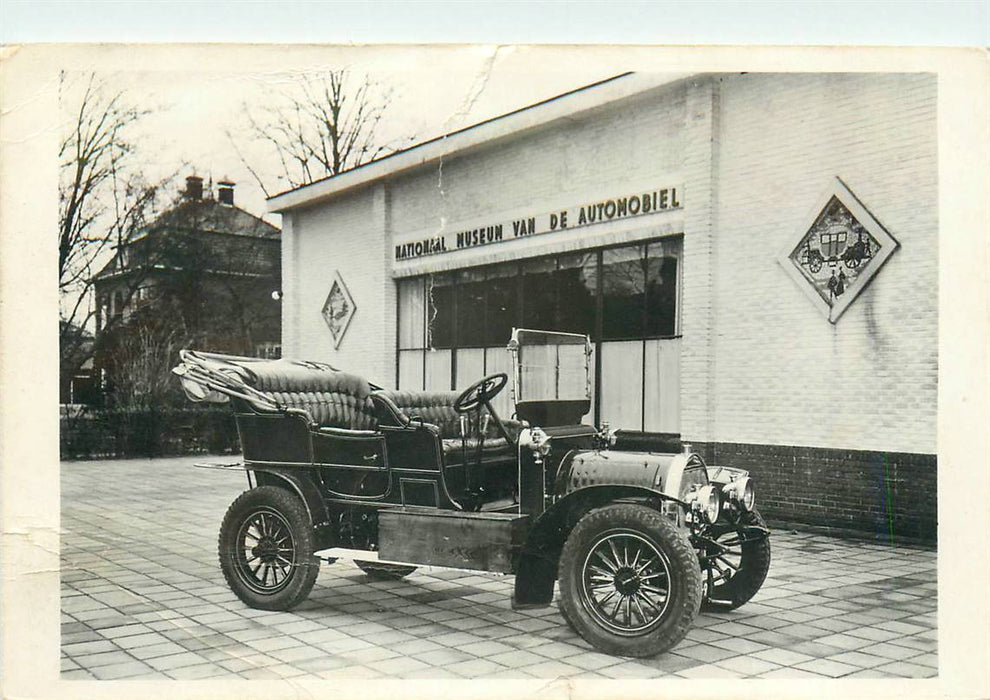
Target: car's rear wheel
[567,618]
[629,581]
[739,564]
[266,549]
[384,572]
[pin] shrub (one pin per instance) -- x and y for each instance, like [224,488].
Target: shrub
[148,432]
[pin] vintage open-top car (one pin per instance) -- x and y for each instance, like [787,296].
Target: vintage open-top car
[340,468]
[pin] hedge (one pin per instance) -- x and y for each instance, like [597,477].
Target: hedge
[148,432]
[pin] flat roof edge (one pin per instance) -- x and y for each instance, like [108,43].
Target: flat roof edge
[552,109]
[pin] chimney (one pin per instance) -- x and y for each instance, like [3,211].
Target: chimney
[194,187]
[225,192]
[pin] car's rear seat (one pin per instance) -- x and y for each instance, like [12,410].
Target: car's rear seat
[331,398]
[342,400]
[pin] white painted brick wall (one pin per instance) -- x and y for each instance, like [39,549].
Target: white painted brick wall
[349,236]
[697,314]
[637,141]
[782,373]
[755,153]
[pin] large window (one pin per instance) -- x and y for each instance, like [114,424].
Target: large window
[440,311]
[576,282]
[472,302]
[661,302]
[539,294]
[453,327]
[502,306]
[623,292]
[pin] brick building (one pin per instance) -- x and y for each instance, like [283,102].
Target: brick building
[754,256]
[206,268]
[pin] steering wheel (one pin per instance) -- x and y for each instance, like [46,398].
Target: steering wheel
[481,392]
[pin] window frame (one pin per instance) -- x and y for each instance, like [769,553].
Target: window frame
[644,247]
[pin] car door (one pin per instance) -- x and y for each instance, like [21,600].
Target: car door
[352,463]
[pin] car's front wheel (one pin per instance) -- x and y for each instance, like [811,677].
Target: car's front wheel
[738,561]
[629,581]
[266,549]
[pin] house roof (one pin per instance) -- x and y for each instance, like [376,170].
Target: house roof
[75,344]
[208,215]
[109,269]
[559,107]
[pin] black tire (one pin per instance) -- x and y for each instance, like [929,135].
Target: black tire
[646,618]
[384,572]
[567,618]
[269,525]
[748,564]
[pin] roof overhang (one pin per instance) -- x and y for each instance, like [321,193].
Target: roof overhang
[540,114]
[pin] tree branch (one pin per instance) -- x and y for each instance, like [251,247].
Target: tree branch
[320,126]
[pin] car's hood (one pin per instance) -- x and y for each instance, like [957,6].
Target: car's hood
[670,474]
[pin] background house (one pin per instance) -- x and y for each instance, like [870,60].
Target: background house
[204,274]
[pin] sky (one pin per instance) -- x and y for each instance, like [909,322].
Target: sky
[433,92]
[196,98]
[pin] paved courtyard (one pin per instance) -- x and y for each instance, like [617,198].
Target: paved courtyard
[143,597]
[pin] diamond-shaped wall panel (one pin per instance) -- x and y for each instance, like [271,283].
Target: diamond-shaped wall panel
[840,247]
[338,309]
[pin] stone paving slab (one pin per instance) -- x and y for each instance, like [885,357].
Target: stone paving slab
[143,598]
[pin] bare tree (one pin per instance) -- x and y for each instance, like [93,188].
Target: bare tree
[141,358]
[103,198]
[320,126]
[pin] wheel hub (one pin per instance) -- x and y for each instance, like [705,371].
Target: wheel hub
[266,550]
[626,581]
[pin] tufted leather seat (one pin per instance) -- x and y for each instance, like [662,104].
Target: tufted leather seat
[437,407]
[342,400]
[333,398]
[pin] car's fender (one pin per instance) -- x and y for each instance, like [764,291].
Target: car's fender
[302,484]
[536,569]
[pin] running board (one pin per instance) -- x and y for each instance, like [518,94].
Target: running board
[225,466]
[334,553]
[360,554]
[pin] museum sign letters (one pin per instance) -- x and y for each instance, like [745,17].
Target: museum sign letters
[645,203]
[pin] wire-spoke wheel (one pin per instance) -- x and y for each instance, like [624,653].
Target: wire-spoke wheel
[626,583]
[266,549]
[629,581]
[738,563]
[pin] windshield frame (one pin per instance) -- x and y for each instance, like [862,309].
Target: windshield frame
[519,340]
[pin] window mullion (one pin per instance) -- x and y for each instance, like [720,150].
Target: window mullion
[455,287]
[599,324]
[646,302]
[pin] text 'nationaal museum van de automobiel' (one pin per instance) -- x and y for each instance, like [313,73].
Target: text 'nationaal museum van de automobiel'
[755,257]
